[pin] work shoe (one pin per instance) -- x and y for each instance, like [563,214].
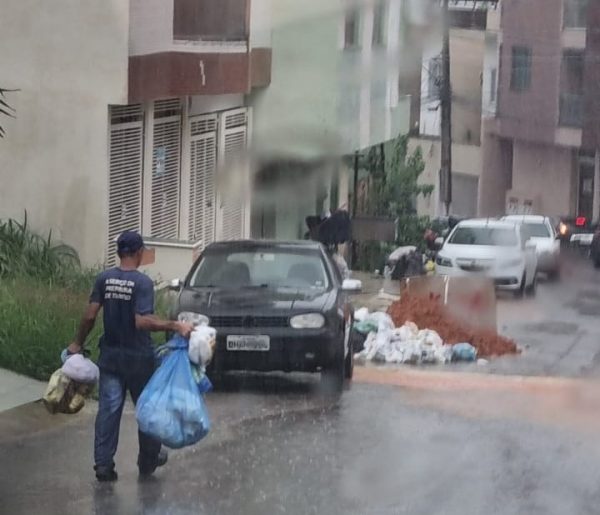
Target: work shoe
[161,460]
[106,474]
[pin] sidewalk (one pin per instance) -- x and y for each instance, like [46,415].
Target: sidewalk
[16,389]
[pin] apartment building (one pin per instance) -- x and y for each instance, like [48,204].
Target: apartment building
[131,114]
[473,57]
[541,154]
[334,90]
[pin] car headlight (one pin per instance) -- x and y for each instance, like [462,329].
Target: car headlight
[308,321]
[563,229]
[443,261]
[193,318]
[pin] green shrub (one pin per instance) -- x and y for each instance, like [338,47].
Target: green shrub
[38,321]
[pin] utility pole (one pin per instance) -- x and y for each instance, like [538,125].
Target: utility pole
[446,108]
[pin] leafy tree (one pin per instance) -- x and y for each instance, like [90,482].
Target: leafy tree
[393,192]
[401,191]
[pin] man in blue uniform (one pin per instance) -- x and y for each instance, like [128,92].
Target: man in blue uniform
[126,354]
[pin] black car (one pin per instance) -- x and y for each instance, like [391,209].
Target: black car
[276,306]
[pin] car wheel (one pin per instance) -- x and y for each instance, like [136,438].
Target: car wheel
[532,288]
[333,377]
[349,364]
[521,290]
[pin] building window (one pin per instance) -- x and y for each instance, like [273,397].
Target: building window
[520,78]
[571,88]
[379,18]
[493,78]
[210,20]
[352,28]
[575,14]
[434,78]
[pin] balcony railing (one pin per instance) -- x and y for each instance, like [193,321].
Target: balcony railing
[210,20]
[571,110]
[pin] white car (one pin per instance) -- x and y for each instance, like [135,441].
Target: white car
[540,231]
[493,248]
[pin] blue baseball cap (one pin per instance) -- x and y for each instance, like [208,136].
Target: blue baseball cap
[129,242]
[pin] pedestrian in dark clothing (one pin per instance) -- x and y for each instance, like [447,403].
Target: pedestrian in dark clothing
[126,354]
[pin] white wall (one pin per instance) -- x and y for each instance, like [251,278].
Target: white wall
[467,161]
[544,173]
[260,23]
[69,61]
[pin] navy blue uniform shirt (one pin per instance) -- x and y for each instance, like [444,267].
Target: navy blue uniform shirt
[123,294]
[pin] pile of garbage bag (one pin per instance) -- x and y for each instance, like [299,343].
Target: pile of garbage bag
[71,384]
[406,344]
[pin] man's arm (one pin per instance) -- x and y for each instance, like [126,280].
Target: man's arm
[155,324]
[85,327]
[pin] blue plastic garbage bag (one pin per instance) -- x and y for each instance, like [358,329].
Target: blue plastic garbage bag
[171,409]
[464,352]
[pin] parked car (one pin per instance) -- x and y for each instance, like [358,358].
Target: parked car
[595,249]
[540,231]
[570,228]
[276,307]
[494,248]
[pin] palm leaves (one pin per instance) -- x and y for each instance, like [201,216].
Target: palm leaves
[5,109]
[25,253]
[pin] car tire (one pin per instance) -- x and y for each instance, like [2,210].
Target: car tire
[521,290]
[333,377]
[531,290]
[349,364]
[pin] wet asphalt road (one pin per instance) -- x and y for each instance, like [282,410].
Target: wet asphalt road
[401,441]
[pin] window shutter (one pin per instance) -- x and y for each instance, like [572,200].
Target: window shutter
[166,156]
[233,135]
[203,163]
[124,174]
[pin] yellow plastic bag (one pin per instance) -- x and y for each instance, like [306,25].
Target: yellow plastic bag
[64,395]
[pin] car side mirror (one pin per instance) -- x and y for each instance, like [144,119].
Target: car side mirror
[439,242]
[352,285]
[175,284]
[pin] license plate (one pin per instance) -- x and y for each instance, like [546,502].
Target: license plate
[248,343]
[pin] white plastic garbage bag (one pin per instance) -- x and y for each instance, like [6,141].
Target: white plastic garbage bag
[202,344]
[80,369]
[383,321]
[361,314]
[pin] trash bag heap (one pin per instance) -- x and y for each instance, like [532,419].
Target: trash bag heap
[418,331]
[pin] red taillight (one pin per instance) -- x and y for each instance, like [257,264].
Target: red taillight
[580,221]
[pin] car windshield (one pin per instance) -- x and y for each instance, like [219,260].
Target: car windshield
[494,236]
[261,268]
[539,230]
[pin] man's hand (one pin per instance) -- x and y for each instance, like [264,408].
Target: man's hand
[74,348]
[184,328]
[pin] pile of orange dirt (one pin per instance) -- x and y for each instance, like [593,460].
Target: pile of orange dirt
[429,313]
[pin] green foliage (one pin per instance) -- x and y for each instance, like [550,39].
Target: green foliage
[393,192]
[38,320]
[25,253]
[43,291]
